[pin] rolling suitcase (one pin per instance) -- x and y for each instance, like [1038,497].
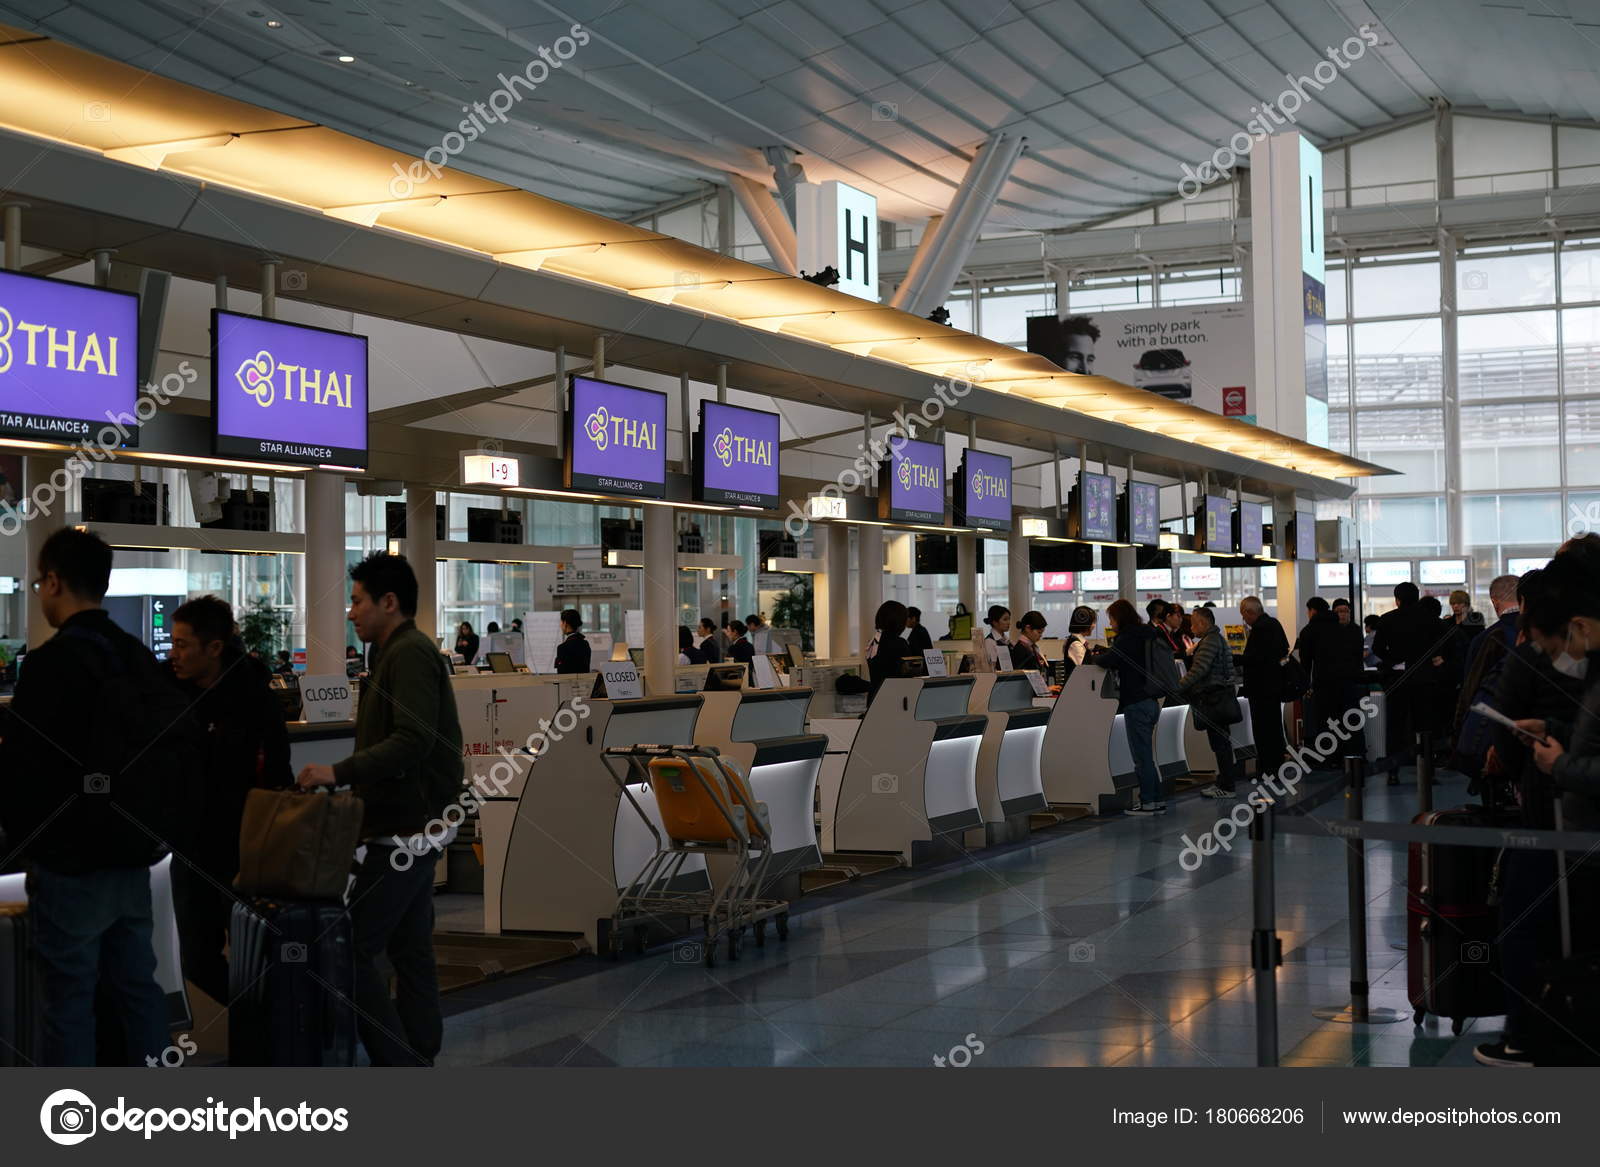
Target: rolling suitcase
[20,1012]
[291,981]
[1452,963]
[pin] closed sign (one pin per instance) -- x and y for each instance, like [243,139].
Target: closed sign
[326,698]
[622,679]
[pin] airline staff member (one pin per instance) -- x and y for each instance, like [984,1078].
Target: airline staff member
[572,654]
[995,643]
[709,648]
[1025,653]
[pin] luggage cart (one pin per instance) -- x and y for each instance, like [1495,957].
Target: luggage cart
[707,808]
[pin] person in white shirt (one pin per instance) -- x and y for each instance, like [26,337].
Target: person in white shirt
[758,633]
[997,641]
[1079,628]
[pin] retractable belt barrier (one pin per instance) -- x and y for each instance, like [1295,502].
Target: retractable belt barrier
[1266,950]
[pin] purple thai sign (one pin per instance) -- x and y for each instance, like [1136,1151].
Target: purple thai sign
[616,439]
[1248,521]
[1219,525]
[69,358]
[1097,495]
[985,492]
[915,486]
[736,456]
[288,392]
[1144,511]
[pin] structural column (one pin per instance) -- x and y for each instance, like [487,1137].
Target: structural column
[327,584]
[869,582]
[1019,579]
[422,549]
[1128,576]
[39,525]
[967,572]
[660,599]
[831,603]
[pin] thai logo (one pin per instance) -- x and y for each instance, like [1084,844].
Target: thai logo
[55,348]
[985,485]
[263,376]
[905,472]
[255,374]
[723,446]
[598,428]
[915,474]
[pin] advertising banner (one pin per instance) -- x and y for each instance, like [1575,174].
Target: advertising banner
[616,439]
[68,358]
[288,392]
[1144,514]
[1097,496]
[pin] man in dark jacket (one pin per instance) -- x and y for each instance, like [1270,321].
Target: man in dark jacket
[246,746]
[408,771]
[74,805]
[917,637]
[1330,651]
[1264,650]
[1407,643]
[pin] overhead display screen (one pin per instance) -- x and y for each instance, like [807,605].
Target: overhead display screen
[984,497]
[1098,581]
[1442,571]
[1153,579]
[1248,528]
[736,456]
[288,392]
[1389,572]
[69,358]
[1218,533]
[1097,496]
[1305,535]
[1333,575]
[915,476]
[616,439]
[1144,514]
[1199,579]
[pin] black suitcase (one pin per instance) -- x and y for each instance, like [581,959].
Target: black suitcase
[1452,962]
[20,1011]
[291,981]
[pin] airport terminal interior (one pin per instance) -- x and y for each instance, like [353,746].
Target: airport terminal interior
[797,533]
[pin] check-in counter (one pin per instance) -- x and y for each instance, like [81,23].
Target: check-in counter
[169,959]
[909,785]
[572,842]
[1075,761]
[1172,757]
[503,711]
[320,743]
[1007,781]
[1202,760]
[764,730]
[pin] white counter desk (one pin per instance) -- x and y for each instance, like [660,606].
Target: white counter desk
[1008,783]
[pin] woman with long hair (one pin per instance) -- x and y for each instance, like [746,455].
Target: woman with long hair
[1137,697]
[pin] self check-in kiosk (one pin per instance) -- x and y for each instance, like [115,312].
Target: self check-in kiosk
[1075,761]
[573,843]
[908,786]
[764,730]
[1172,758]
[1007,781]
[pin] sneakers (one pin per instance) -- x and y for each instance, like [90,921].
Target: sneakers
[1215,791]
[1142,808]
[1498,1053]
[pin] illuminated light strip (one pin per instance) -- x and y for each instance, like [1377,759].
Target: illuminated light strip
[366,214]
[152,155]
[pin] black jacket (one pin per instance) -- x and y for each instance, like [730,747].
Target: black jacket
[1409,637]
[885,662]
[1577,772]
[245,745]
[1330,652]
[1028,656]
[572,654]
[742,651]
[1528,686]
[467,646]
[60,730]
[920,639]
[710,651]
[1264,650]
[1126,657]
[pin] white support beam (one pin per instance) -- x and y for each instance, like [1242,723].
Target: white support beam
[774,227]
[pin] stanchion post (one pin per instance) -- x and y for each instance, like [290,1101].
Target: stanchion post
[1424,771]
[1266,951]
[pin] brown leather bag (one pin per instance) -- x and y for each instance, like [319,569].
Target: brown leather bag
[298,845]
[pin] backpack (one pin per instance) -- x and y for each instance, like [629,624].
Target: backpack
[143,756]
[1160,668]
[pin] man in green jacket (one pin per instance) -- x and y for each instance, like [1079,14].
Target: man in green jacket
[408,772]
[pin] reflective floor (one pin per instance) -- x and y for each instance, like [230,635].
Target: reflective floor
[1094,948]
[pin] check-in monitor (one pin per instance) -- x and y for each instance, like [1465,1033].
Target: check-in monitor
[500,662]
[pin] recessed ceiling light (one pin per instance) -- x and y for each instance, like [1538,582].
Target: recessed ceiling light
[346,59]
[274,24]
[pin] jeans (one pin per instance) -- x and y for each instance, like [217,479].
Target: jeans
[391,914]
[97,929]
[1266,722]
[1139,719]
[1227,764]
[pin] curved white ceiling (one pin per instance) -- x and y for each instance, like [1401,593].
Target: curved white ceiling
[1114,96]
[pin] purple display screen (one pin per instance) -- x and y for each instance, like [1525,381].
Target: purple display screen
[1219,524]
[1249,527]
[986,490]
[69,358]
[736,459]
[1144,511]
[617,439]
[288,392]
[1305,535]
[916,481]
[1097,495]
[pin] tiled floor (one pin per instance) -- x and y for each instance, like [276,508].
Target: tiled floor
[1092,948]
